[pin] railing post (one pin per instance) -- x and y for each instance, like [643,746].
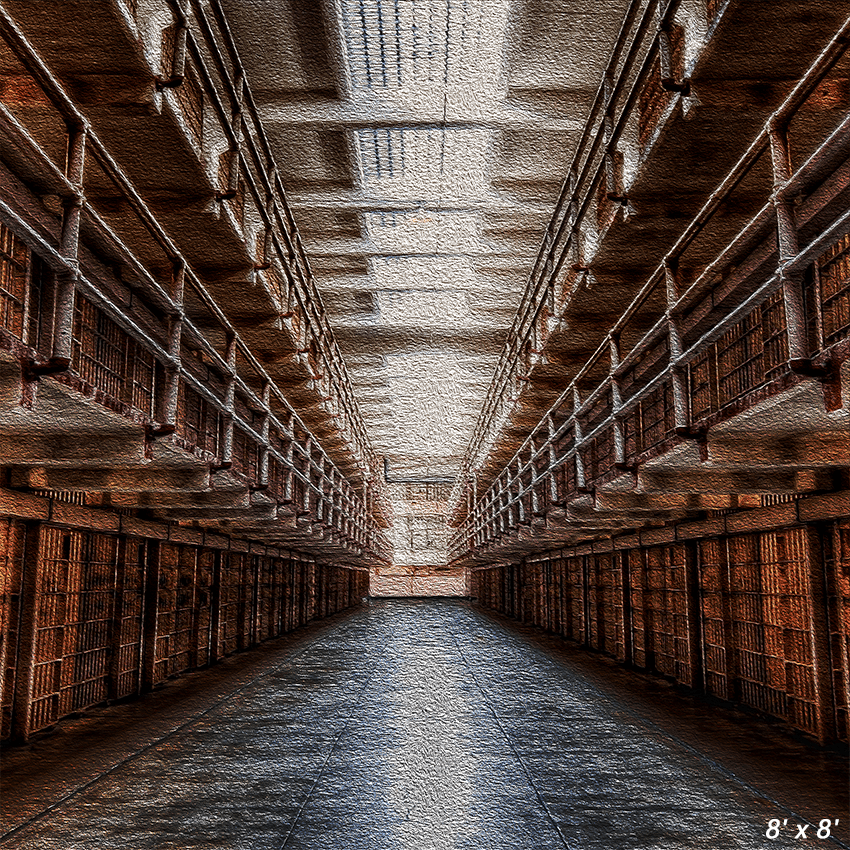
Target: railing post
[66,284]
[678,376]
[535,496]
[581,479]
[263,471]
[288,486]
[178,57]
[553,459]
[669,79]
[619,438]
[171,394]
[520,505]
[229,403]
[788,247]
[308,475]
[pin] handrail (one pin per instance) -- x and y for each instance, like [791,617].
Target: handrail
[172,306]
[492,503]
[566,215]
[306,291]
[601,129]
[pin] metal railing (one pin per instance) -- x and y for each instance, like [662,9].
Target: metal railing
[645,72]
[254,161]
[755,315]
[148,353]
[199,67]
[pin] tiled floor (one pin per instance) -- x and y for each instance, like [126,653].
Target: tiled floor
[418,725]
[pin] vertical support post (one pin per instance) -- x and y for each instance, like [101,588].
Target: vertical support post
[308,476]
[263,472]
[117,620]
[818,536]
[520,503]
[243,613]
[171,394]
[320,496]
[585,601]
[24,680]
[648,612]
[149,622]
[178,58]
[229,402]
[581,480]
[290,463]
[254,622]
[553,459]
[619,437]
[215,608]
[694,612]
[310,592]
[628,623]
[681,414]
[788,245]
[197,602]
[733,682]
[66,283]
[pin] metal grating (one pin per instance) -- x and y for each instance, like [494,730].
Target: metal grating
[11,557]
[14,266]
[833,278]
[771,624]
[232,603]
[130,621]
[382,154]
[717,663]
[73,615]
[753,352]
[394,43]
[99,349]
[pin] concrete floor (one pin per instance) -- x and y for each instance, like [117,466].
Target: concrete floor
[417,725]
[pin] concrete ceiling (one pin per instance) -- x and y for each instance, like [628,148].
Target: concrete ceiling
[422,144]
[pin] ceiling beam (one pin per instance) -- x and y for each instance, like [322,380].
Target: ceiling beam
[346,115]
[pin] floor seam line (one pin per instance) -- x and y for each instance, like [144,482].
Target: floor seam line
[612,701]
[186,724]
[517,756]
[328,758]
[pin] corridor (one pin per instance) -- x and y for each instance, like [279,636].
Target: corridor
[417,725]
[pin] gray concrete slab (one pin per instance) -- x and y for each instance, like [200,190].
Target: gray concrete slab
[419,725]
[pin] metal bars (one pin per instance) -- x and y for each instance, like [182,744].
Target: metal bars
[88,617]
[726,336]
[738,617]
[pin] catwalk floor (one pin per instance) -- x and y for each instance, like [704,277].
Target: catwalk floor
[420,725]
